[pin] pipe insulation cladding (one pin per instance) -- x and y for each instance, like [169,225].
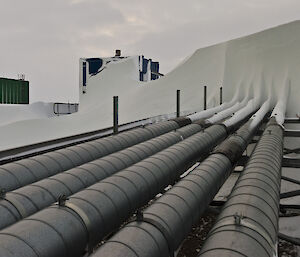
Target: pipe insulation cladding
[248,223]
[162,227]
[88,216]
[25,201]
[26,171]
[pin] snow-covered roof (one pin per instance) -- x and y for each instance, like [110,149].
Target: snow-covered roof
[257,64]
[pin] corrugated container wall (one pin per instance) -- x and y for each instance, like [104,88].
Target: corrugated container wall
[14,91]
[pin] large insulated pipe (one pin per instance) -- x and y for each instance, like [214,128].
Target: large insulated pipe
[248,223]
[88,216]
[26,171]
[25,201]
[161,227]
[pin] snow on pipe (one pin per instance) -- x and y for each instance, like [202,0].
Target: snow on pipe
[207,113]
[26,171]
[228,111]
[248,223]
[86,217]
[251,107]
[244,109]
[280,108]
[264,109]
[161,228]
[25,201]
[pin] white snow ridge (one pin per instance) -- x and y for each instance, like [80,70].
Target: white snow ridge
[258,65]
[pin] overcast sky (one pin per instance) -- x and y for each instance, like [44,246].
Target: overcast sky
[44,39]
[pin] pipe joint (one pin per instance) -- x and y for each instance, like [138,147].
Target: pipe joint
[182,121]
[164,232]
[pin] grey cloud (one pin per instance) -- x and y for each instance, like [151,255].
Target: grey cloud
[44,39]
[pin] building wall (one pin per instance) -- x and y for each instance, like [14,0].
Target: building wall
[89,67]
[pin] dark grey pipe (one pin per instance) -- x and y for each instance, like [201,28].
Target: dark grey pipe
[32,198]
[162,227]
[26,171]
[91,214]
[248,223]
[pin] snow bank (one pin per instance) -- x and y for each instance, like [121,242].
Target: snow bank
[10,113]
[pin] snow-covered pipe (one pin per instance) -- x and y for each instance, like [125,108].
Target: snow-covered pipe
[209,112]
[267,106]
[227,112]
[280,108]
[251,107]
[215,110]
[264,109]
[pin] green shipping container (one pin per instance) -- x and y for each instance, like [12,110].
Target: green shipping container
[14,91]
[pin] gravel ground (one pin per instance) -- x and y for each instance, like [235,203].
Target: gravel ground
[286,249]
[194,241]
[192,244]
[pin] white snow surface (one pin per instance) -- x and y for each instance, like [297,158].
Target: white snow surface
[10,113]
[254,66]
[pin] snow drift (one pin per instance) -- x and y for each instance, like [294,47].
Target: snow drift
[250,67]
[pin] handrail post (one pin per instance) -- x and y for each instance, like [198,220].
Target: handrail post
[178,103]
[115,114]
[221,95]
[205,95]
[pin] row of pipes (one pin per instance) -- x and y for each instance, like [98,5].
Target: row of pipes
[26,171]
[247,224]
[100,184]
[22,202]
[29,170]
[89,215]
[25,201]
[161,228]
